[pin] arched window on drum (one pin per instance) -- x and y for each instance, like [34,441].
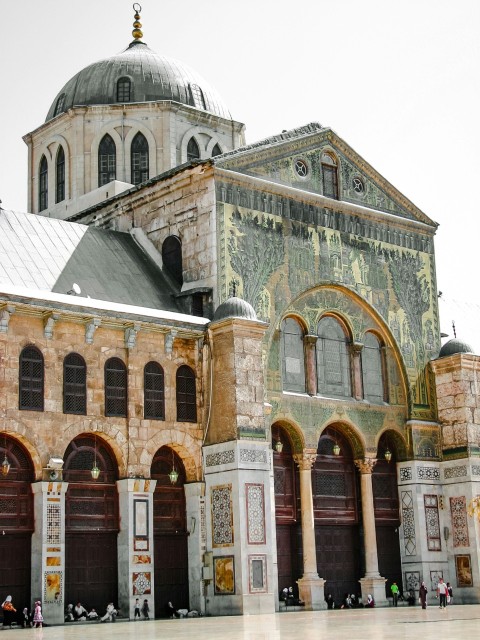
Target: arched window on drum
[373,369]
[293,359]
[333,360]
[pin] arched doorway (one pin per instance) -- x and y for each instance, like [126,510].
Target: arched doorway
[91,523]
[16,523]
[387,513]
[337,513]
[288,528]
[170,532]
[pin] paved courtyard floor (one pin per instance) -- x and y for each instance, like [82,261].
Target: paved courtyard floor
[458,622]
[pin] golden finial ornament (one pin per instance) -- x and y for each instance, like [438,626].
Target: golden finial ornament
[137,32]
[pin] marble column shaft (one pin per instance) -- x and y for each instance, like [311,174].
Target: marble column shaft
[368,514]
[305,463]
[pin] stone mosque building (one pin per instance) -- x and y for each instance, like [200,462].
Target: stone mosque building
[220,364]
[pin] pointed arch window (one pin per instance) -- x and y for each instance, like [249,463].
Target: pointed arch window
[31,379]
[139,159]
[333,362]
[293,361]
[172,258]
[186,395]
[74,384]
[115,388]
[216,151]
[330,176]
[43,185]
[107,160]
[373,369]
[193,150]
[154,391]
[60,175]
[124,90]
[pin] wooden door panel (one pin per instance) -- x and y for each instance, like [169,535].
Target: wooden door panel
[15,552]
[339,559]
[171,572]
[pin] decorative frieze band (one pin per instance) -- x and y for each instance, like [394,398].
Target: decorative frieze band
[219,458]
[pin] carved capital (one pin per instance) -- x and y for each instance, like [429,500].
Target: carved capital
[131,335]
[5,314]
[356,348]
[90,329]
[310,340]
[366,465]
[49,323]
[305,460]
[169,338]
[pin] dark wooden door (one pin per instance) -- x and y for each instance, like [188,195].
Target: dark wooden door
[91,569]
[171,571]
[15,575]
[339,558]
[389,562]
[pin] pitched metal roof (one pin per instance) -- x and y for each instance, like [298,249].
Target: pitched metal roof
[47,254]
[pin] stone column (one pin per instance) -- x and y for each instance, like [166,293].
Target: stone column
[311,364]
[135,544]
[372,583]
[311,587]
[195,505]
[356,352]
[48,549]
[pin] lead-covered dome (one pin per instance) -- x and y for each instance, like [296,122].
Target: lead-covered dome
[144,76]
[454,346]
[235,308]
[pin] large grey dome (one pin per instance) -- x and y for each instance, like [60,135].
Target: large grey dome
[235,308]
[454,346]
[153,77]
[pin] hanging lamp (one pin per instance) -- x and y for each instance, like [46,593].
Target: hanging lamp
[173,475]
[5,463]
[336,446]
[95,470]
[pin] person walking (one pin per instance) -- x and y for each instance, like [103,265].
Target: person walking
[442,592]
[449,593]
[136,610]
[37,616]
[395,591]
[146,610]
[9,612]
[423,595]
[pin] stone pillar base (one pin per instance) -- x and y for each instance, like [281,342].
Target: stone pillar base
[376,588]
[311,591]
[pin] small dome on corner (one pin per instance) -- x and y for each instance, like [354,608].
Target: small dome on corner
[454,346]
[235,308]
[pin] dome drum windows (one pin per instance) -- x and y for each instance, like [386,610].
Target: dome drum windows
[198,98]
[139,159]
[216,151]
[60,106]
[124,90]
[193,150]
[60,175]
[107,160]
[43,185]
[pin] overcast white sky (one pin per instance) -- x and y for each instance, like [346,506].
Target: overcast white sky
[398,80]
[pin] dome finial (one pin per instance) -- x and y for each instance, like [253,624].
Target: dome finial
[137,33]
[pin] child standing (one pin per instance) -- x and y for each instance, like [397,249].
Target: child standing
[136,611]
[146,610]
[37,616]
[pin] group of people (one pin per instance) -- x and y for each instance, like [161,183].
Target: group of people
[78,613]
[350,601]
[27,618]
[444,592]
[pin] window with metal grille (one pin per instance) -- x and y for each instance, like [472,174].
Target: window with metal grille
[193,150]
[31,379]
[60,175]
[154,391]
[293,364]
[139,159]
[59,107]
[333,362]
[107,160]
[74,384]
[172,258]
[198,97]
[216,151]
[186,395]
[372,369]
[124,90]
[330,176]
[43,185]
[115,388]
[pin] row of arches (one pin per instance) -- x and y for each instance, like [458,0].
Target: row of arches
[337,508]
[332,357]
[32,384]
[92,524]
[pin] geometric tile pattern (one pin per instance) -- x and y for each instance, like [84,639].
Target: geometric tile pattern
[428,473]
[458,511]
[203,524]
[412,580]
[54,525]
[252,455]
[221,457]
[405,474]
[475,470]
[435,577]
[142,583]
[432,522]
[408,520]
[222,515]
[455,472]
[255,513]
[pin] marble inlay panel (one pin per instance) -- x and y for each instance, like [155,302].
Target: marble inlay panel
[458,511]
[432,522]
[222,515]
[255,513]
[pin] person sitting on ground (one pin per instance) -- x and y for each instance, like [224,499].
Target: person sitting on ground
[370,601]
[347,602]
[110,614]
[171,611]
[8,612]
[93,615]
[69,613]
[79,612]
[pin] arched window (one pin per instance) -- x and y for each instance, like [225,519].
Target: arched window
[139,159]
[154,391]
[107,160]
[74,384]
[124,90]
[43,185]
[186,395]
[60,175]
[197,96]
[216,151]
[193,151]
[172,258]
[59,107]
[293,363]
[115,388]
[333,363]
[373,369]
[330,176]
[31,379]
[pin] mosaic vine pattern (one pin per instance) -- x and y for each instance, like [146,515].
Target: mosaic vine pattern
[408,519]
[255,513]
[432,522]
[222,516]
[458,511]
